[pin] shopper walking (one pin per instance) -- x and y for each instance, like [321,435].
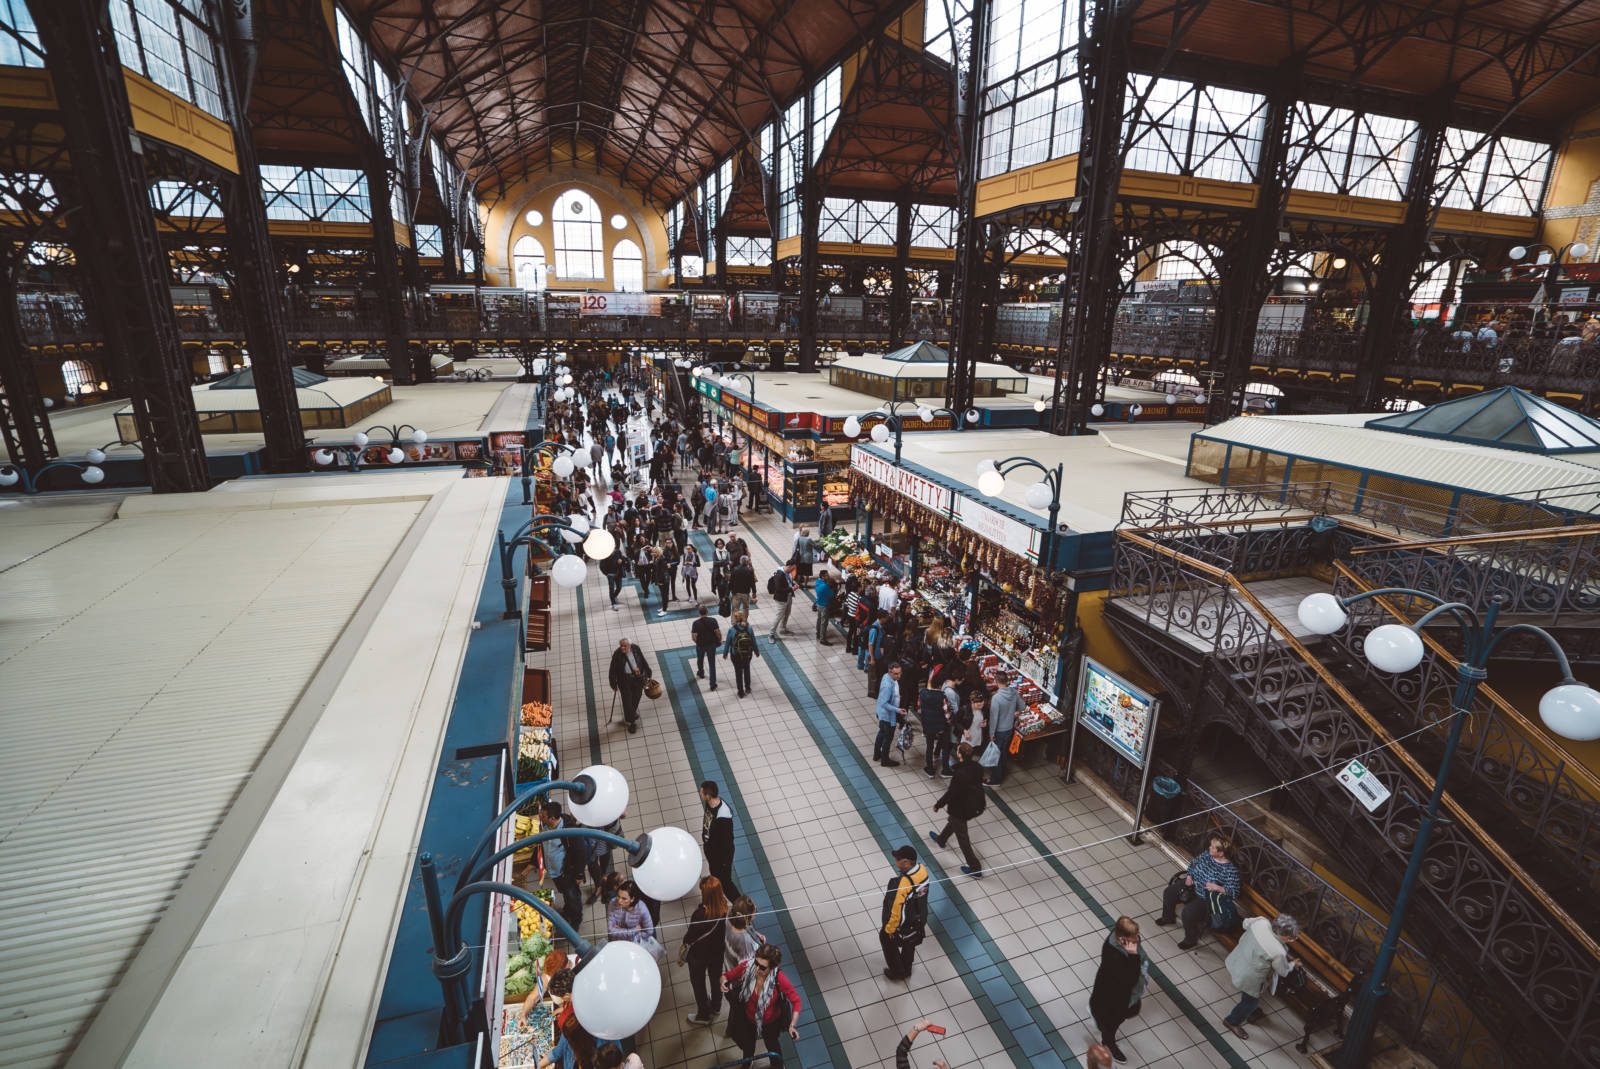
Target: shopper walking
[765,1004]
[742,940]
[905,914]
[716,835]
[707,635]
[827,597]
[630,669]
[702,950]
[781,585]
[853,621]
[1003,709]
[965,800]
[805,553]
[888,717]
[563,862]
[615,569]
[1213,880]
[691,573]
[1119,983]
[742,583]
[741,646]
[1262,950]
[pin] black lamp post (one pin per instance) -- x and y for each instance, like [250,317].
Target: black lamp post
[567,569]
[90,472]
[895,422]
[1046,493]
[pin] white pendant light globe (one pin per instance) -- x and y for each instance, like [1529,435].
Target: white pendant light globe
[578,522]
[985,466]
[1518,251]
[93,474]
[571,537]
[925,414]
[617,992]
[419,436]
[49,402]
[396,455]
[973,415]
[610,797]
[1321,614]
[562,466]
[1137,410]
[852,427]
[566,380]
[1172,398]
[672,868]
[1572,711]
[95,456]
[1038,495]
[599,545]
[322,458]
[9,477]
[582,458]
[360,440]
[568,570]
[1394,648]
[1579,250]
[1039,405]
[1097,410]
[880,433]
[990,483]
[1199,398]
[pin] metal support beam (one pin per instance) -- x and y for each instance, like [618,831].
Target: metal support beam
[970,234]
[810,231]
[900,281]
[391,287]
[254,270]
[1389,303]
[116,237]
[1089,299]
[1245,270]
[24,421]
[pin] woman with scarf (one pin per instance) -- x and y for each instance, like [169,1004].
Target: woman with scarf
[1119,983]
[763,1002]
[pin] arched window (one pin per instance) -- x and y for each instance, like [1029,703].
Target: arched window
[627,267]
[580,253]
[528,264]
[78,376]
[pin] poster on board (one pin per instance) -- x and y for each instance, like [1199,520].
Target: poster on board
[1118,712]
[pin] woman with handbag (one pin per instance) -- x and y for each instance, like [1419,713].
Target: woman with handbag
[1119,983]
[765,1004]
[629,920]
[1212,883]
[702,950]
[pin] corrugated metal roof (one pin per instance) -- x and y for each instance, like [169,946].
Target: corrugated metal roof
[127,731]
[1341,439]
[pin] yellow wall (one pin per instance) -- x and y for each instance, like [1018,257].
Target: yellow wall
[505,221]
[1574,183]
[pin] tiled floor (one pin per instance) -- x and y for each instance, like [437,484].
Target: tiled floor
[1008,966]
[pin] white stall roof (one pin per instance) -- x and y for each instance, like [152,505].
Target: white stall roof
[1342,439]
[872,364]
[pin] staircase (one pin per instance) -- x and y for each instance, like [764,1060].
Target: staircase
[1504,907]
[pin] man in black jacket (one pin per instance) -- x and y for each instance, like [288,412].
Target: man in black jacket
[966,800]
[743,584]
[716,837]
[629,670]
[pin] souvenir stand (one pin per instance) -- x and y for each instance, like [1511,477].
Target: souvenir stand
[975,566]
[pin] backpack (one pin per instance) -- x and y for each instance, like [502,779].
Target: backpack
[778,585]
[914,916]
[744,641]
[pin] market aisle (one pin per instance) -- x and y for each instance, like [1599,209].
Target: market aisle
[1011,957]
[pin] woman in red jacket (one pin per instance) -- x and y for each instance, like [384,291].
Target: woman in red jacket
[763,1000]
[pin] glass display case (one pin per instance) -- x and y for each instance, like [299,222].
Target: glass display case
[836,488]
[802,491]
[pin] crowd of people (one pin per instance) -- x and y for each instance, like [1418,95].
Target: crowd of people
[930,693]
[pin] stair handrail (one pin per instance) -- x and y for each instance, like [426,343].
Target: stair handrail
[1456,811]
[1528,535]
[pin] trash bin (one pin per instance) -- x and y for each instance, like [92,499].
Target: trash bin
[1163,803]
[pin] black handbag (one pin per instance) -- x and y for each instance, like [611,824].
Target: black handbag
[724,605]
[1185,892]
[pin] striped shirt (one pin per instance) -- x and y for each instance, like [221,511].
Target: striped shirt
[1206,869]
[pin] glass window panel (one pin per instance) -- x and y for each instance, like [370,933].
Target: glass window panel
[1005,41]
[528,263]
[824,110]
[1157,131]
[1514,176]
[627,267]
[932,226]
[1030,133]
[1228,127]
[752,251]
[1067,137]
[1381,157]
[19,44]
[161,44]
[944,27]
[430,239]
[205,81]
[996,153]
[877,223]
[1462,164]
[575,217]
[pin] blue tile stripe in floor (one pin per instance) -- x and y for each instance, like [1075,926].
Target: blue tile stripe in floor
[820,1044]
[591,714]
[1016,1016]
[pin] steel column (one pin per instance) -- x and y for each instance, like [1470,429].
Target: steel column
[1246,277]
[900,281]
[964,330]
[1093,286]
[810,227]
[391,291]
[1388,307]
[118,237]
[24,421]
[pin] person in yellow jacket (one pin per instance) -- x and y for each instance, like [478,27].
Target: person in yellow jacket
[905,914]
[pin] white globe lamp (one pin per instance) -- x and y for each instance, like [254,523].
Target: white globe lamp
[1518,251]
[9,477]
[925,414]
[672,867]
[1039,406]
[985,466]
[1097,410]
[562,466]
[852,427]
[1172,398]
[582,459]
[1394,648]
[419,436]
[568,570]
[973,415]
[95,456]
[571,537]
[93,474]
[1321,614]
[1572,711]
[1137,410]
[1579,250]
[360,440]
[396,455]
[1038,495]
[600,544]
[322,458]
[579,523]
[880,433]
[1199,398]
[616,993]
[991,483]
[610,797]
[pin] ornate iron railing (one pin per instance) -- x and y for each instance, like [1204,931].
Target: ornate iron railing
[1422,1008]
[1555,799]
[1493,917]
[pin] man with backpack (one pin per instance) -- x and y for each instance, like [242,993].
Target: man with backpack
[741,646]
[781,585]
[905,914]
